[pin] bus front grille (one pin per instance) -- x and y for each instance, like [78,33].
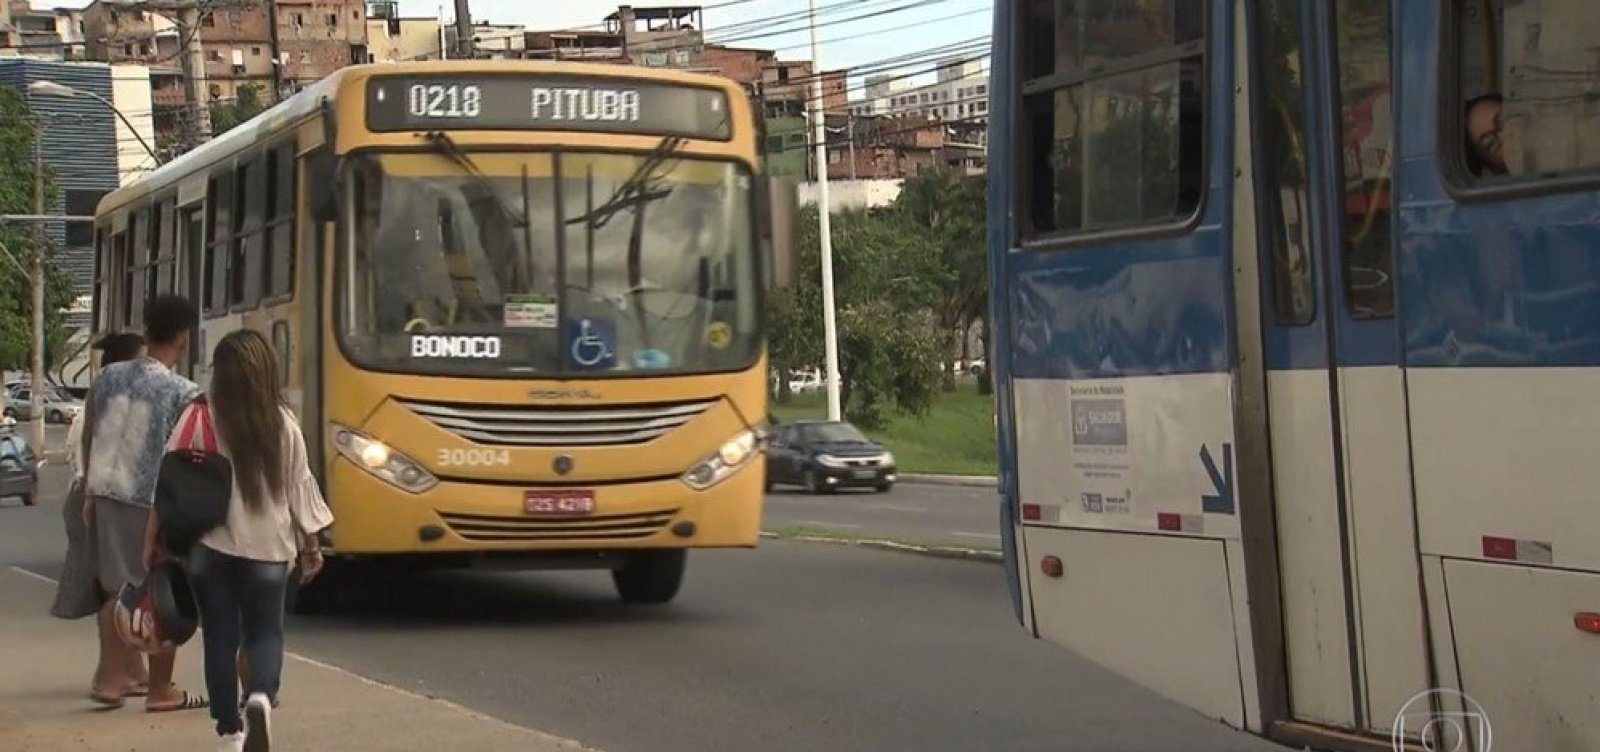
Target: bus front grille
[476,527]
[517,425]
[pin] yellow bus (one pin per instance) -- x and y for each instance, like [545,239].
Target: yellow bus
[517,305]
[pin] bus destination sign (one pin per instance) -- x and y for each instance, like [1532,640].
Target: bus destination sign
[508,102]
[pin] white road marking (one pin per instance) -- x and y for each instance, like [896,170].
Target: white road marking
[34,575]
[986,536]
[896,508]
[820,523]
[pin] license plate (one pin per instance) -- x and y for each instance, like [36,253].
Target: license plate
[558,503]
[866,474]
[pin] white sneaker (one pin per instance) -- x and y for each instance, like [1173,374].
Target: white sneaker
[232,743]
[257,724]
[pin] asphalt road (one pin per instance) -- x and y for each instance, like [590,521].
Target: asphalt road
[927,515]
[793,646]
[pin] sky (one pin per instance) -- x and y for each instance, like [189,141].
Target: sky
[904,27]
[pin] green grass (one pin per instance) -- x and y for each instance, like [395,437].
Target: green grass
[955,437]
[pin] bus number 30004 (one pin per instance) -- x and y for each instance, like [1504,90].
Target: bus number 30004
[453,101]
[474,457]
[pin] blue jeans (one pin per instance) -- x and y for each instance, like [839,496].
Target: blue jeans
[241,606]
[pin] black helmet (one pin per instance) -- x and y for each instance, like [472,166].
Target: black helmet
[160,613]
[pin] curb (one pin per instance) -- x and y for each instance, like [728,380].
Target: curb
[940,552]
[963,481]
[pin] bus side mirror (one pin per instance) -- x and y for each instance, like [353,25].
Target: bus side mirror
[782,205]
[322,189]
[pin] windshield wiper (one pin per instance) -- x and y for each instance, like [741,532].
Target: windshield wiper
[639,188]
[447,146]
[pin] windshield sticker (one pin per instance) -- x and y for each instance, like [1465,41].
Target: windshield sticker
[651,359]
[592,344]
[447,346]
[535,311]
[719,334]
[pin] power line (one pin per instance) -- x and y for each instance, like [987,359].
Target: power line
[898,29]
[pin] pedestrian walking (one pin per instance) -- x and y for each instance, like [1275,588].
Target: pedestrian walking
[240,570]
[78,592]
[130,412]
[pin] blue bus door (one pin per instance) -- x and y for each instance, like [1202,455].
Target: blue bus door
[1352,608]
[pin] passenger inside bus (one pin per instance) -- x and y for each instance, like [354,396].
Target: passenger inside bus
[1485,151]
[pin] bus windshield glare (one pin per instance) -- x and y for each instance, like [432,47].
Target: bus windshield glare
[570,264]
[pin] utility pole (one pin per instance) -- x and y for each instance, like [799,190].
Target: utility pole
[464,46]
[193,57]
[819,127]
[36,283]
[278,94]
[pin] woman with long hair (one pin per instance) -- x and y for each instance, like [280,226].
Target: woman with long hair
[241,570]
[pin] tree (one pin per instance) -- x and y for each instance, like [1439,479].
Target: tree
[884,286]
[948,212]
[17,134]
[246,104]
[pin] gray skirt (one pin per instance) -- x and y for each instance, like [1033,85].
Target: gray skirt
[78,592]
[119,543]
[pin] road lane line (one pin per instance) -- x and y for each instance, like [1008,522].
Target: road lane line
[897,508]
[33,574]
[986,536]
[820,523]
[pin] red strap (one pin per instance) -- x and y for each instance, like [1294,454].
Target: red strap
[208,437]
[199,420]
[186,434]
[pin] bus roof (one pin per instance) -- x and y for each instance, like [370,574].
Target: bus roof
[307,102]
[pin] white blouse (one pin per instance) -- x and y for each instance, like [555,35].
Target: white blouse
[271,532]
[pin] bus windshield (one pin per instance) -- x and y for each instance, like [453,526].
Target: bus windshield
[566,263]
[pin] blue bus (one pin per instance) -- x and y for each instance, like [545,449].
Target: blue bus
[1297,356]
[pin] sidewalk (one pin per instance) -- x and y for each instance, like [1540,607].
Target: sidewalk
[45,665]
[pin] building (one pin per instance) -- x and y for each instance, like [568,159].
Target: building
[961,92]
[53,34]
[81,147]
[393,38]
[316,38]
[492,40]
[276,48]
[895,148]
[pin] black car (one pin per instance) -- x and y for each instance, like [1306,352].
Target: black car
[19,467]
[823,456]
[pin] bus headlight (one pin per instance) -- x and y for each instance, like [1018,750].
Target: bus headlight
[732,455]
[378,459]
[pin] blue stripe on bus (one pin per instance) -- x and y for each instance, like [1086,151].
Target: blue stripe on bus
[1151,308]
[1001,193]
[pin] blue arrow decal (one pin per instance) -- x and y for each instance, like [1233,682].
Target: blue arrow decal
[1220,502]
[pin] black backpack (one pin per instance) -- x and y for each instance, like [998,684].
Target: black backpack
[194,485]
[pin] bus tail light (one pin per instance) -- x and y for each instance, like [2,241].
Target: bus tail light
[716,467]
[1587,621]
[379,460]
[1052,566]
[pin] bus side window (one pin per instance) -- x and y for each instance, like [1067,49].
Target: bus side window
[1367,139]
[219,213]
[1113,113]
[281,211]
[1524,108]
[134,253]
[1285,198]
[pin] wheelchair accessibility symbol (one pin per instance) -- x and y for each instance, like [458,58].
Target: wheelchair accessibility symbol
[592,344]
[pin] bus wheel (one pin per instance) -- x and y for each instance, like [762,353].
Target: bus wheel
[651,576]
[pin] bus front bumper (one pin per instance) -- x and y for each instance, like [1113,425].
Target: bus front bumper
[372,517]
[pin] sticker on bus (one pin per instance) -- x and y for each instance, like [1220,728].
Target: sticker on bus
[592,344]
[530,311]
